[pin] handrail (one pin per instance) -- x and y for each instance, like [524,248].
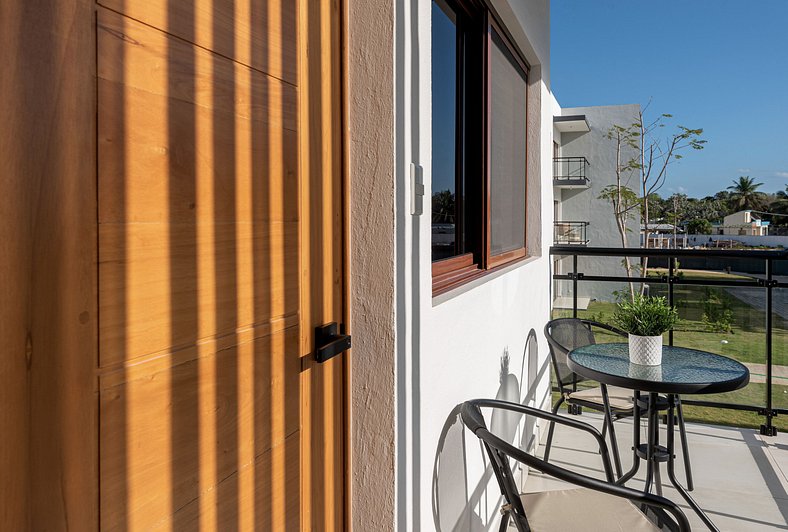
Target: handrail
[650,252]
[579,158]
[765,281]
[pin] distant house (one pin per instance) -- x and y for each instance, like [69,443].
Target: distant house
[743,223]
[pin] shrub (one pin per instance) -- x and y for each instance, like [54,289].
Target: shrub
[717,314]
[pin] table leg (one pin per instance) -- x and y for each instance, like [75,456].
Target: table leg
[652,441]
[635,440]
[671,468]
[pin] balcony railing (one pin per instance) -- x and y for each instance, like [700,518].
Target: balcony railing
[731,302]
[570,172]
[570,233]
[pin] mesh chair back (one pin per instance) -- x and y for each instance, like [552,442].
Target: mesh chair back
[563,335]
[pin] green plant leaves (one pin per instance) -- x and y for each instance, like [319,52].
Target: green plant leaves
[645,316]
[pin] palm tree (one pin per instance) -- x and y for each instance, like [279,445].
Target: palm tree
[745,195]
[443,207]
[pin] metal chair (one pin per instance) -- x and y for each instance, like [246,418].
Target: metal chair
[565,334]
[596,505]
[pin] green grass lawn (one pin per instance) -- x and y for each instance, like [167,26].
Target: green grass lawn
[746,343]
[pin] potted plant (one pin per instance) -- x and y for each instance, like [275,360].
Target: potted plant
[645,318]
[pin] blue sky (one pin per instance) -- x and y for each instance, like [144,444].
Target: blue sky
[720,65]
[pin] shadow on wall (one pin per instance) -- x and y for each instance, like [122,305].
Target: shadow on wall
[460,480]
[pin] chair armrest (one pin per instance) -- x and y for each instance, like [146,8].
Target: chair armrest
[473,419]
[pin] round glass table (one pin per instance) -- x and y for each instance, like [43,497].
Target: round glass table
[683,371]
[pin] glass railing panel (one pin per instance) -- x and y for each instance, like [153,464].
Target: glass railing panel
[780,355]
[723,304]
[730,322]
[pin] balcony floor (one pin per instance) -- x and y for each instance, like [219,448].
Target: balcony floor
[741,477]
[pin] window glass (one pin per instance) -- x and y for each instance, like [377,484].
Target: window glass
[507,150]
[444,131]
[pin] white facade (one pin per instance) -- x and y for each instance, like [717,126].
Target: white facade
[453,347]
[482,339]
[744,223]
[575,205]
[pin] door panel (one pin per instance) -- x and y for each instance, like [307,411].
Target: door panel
[220,245]
[322,267]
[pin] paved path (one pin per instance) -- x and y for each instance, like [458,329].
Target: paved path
[756,297]
[758,373]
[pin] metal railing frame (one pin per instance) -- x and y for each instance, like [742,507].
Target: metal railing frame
[582,226]
[581,165]
[671,280]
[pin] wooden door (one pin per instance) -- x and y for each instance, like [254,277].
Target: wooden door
[220,248]
[323,272]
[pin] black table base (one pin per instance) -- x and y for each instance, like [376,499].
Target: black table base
[655,454]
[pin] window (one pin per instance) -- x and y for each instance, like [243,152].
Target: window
[479,99]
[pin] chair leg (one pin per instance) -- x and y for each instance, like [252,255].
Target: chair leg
[609,423]
[551,430]
[684,445]
[504,522]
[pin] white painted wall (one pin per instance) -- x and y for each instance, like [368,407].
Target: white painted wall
[452,348]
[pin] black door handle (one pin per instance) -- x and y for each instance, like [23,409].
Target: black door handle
[329,343]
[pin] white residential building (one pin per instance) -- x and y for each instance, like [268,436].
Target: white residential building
[743,223]
[584,164]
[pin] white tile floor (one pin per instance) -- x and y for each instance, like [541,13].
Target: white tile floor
[741,477]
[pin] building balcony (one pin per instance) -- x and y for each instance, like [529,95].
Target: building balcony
[570,172]
[570,233]
[731,303]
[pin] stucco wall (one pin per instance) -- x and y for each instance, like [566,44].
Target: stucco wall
[484,339]
[370,71]
[585,205]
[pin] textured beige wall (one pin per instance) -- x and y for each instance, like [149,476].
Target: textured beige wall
[371,165]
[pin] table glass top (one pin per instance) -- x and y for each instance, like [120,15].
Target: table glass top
[680,367]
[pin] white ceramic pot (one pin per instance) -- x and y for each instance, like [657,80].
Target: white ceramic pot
[645,350]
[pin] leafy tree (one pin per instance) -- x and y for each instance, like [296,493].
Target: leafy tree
[745,194]
[653,156]
[779,206]
[658,207]
[699,226]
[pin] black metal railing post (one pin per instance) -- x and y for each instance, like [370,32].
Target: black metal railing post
[768,429]
[671,281]
[574,285]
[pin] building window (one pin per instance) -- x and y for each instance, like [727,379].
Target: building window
[479,98]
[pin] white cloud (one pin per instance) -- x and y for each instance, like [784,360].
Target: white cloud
[743,170]
[682,190]
[781,174]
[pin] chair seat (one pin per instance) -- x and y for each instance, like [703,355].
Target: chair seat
[583,510]
[620,398]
